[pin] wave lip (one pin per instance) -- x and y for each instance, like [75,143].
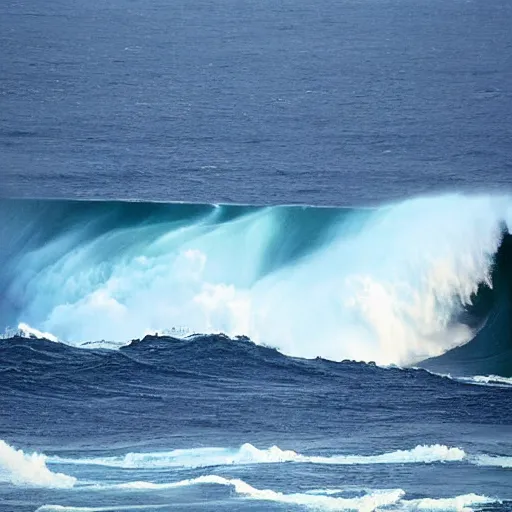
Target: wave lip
[29,470]
[248,454]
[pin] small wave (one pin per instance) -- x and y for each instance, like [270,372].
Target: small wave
[477,380]
[249,454]
[489,380]
[366,503]
[458,504]
[29,470]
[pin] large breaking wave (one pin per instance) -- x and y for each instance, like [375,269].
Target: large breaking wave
[396,284]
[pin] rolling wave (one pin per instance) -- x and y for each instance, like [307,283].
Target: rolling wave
[31,470]
[397,284]
[249,454]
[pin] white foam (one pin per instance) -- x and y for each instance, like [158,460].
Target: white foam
[28,331]
[365,503]
[479,380]
[493,460]
[249,454]
[419,454]
[461,503]
[22,469]
[491,380]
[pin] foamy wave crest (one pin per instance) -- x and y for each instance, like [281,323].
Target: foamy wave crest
[30,332]
[249,454]
[23,469]
[371,500]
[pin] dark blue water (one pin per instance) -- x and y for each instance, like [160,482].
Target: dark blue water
[318,396]
[340,103]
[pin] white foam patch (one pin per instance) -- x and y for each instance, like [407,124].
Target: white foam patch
[463,503]
[493,460]
[491,380]
[249,454]
[29,470]
[419,454]
[480,380]
[29,332]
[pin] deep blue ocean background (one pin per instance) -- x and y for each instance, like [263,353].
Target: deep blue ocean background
[164,349]
[343,103]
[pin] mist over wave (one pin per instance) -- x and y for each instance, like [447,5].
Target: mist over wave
[391,284]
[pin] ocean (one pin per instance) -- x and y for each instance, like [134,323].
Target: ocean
[256,256]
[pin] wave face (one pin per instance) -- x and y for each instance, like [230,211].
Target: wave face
[396,284]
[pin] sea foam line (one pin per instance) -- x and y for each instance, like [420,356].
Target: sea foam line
[248,454]
[374,500]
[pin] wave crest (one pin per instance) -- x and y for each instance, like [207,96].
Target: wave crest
[249,454]
[29,470]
